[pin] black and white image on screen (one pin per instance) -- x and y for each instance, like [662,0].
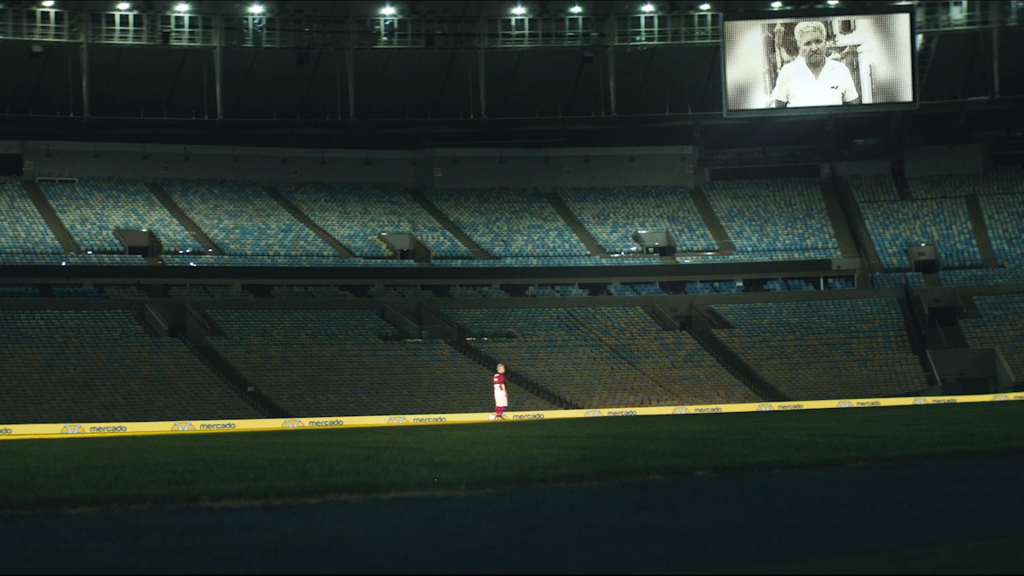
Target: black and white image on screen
[807,63]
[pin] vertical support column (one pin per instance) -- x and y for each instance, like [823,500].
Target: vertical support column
[995,52]
[350,74]
[83,52]
[217,69]
[482,71]
[469,82]
[611,80]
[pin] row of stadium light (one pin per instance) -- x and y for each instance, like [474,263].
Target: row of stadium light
[518,10]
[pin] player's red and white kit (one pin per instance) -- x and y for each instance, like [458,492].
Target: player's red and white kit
[500,394]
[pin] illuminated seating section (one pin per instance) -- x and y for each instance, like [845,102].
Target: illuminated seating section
[603,357]
[713,287]
[795,285]
[509,223]
[1000,323]
[839,284]
[652,289]
[333,363]
[206,292]
[23,232]
[761,256]
[400,292]
[826,349]
[309,292]
[1004,217]
[100,366]
[73,259]
[611,215]
[20,292]
[548,261]
[894,226]
[243,220]
[984,276]
[1004,180]
[93,208]
[294,261]
[898,280]
[477,292]
[773,217]
[557,291]
[356,213]
[875,188]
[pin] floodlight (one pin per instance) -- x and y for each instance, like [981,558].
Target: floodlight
[519,10]
[705,6]
[776,4]
[123,6]
[48,4]
[388,10]
[833,2]
[256,9]
[182,7]
[647,7]
[576,9]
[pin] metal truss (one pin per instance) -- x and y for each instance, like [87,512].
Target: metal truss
[390,32]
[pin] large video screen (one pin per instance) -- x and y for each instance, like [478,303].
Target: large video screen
[826,63]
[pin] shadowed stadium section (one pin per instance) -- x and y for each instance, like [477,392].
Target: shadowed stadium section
[264,424]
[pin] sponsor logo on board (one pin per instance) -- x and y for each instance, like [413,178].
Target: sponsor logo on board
[592,413]
[920,401]
[764,407]
[293,423]
[537,416]
[430,419]
[844,404]
[107,429]
[73,429]
[325,423]
[681,410]
[220,426]
[6,431]
[397,420]
[1000,397]
[622,412]
[708,410]
[183,427]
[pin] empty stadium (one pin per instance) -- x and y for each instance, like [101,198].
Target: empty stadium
[322,213]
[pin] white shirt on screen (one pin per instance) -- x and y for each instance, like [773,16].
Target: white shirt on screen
[797,85]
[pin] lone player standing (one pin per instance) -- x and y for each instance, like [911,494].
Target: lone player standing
[500,393]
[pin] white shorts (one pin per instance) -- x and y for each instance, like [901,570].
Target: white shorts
[501,400]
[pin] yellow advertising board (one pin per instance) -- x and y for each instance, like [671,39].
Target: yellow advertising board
[95,429]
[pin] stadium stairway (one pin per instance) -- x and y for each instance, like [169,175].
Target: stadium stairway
[402,323]
[193,329]
[714,225]
[518,379]
[292,209]
[573,222]
[437,214]
[988,254]
[700,327]
[179,214]
[840,223]
[902,186]
[50,217]
[864,244]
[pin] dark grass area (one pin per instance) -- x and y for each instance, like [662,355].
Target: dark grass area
[909,517]
[183,469]
[1000,556]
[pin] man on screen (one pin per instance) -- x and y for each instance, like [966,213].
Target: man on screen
[813,79]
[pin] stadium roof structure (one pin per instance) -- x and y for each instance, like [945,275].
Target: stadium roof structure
[473,71]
